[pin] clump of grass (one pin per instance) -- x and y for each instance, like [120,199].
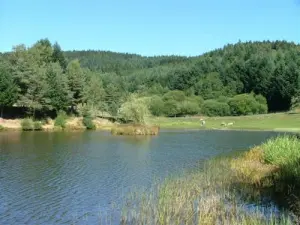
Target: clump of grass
[135,130]
[250,168]
[61,119]
[205,196]
[282,151]
[27,124]
[2,128]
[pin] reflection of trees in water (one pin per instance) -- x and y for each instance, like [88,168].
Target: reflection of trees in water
[141,141]
[9,137]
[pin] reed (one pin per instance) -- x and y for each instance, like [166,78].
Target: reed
[134,129]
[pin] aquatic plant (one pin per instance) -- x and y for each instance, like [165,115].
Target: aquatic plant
[209,195]
[132,129]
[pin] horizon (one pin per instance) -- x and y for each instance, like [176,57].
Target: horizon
[148,29]
[167,55]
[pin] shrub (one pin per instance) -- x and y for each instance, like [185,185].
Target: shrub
[246,104]
[1,128]
[214,108]
[156,106]
[61,119]
[37,125]
[27,124]
[88,123]
[189,108]
[134,109]
[223,99]
[171,108]
[176,95]
[196,99]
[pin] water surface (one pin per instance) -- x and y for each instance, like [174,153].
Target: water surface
[76,177]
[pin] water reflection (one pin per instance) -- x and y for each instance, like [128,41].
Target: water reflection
[69,177]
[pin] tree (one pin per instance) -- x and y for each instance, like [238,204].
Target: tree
[76,82]
[134,109]
[8,88]
[94,94]
[157,106]
[214,108]
[29,72]
[58,56]
[246,104]
[210,86]
[58,91]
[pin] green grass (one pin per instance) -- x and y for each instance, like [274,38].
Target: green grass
[274,122]
[204,196]
[282,151]
[218,193]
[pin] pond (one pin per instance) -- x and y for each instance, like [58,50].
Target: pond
[76,177]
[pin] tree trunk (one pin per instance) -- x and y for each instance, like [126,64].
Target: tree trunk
[1,111]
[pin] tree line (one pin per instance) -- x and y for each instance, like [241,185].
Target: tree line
[240,79]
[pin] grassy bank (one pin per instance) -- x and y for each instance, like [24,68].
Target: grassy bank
[274,122]
[230,190]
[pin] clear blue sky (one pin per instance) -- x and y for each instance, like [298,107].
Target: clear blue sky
[147,27]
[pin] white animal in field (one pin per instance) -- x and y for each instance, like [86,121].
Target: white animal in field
[230,124]
[202,122]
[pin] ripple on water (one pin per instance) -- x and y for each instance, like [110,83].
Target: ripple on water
[65,178]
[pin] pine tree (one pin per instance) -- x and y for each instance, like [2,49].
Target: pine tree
[58,91]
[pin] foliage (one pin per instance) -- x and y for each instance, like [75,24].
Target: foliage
[37,125]
[27,124]
[134,109]
[215,108]
[282,150]
[189,108]
[42,78]
[8,89]
[246,104]
[1,128]
[156,106]
[88,121]
[61,119]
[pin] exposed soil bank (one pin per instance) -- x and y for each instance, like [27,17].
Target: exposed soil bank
[73,123]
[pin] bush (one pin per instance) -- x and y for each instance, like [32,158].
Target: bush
[1,128]
[88,123]
[156,106]
[27,124]
[61,119]
[134,109]
[246,104]
[178,96]
[223,99]
[196,99]
[37,125]
[171,108]
[214,108]
[189,108]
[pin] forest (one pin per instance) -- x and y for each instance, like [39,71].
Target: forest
[238,79]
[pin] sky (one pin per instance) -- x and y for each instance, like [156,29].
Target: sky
[147,27]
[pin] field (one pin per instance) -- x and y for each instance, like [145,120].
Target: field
[273,122]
